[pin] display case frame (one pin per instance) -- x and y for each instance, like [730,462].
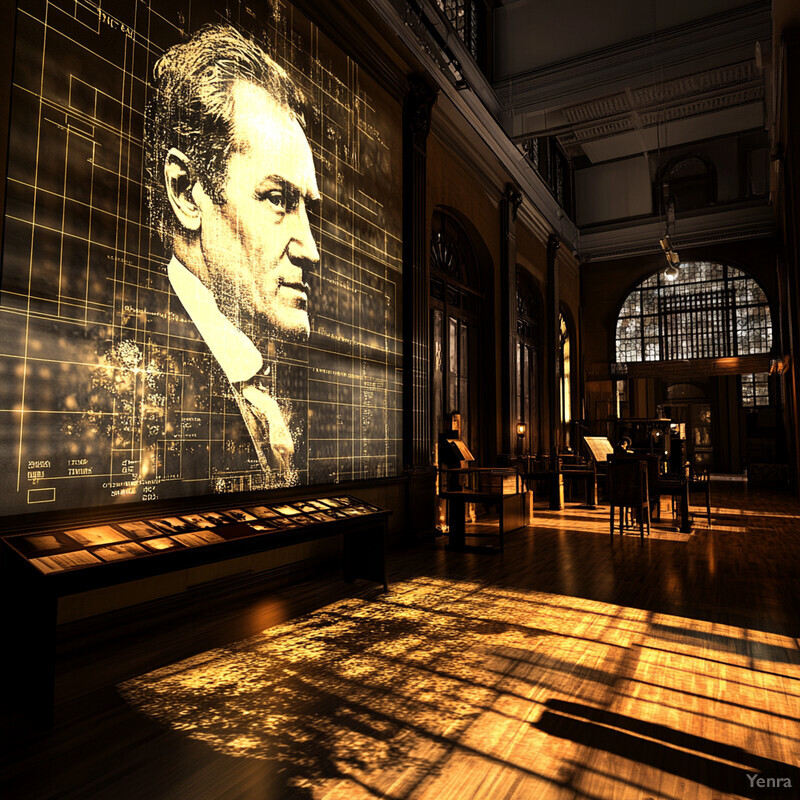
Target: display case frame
[31,589]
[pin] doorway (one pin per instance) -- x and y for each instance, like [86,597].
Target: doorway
[689,408]
[456,300]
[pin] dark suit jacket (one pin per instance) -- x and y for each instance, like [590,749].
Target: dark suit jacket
[192,426]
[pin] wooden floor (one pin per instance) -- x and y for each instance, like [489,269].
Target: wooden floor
[570,665]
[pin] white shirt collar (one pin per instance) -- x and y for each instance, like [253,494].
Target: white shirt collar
[239,358]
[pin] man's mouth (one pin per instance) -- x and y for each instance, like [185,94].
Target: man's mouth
[297,294]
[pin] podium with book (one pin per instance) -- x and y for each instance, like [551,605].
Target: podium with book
[460,484]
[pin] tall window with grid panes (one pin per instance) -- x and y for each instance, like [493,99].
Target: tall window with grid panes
[709,311]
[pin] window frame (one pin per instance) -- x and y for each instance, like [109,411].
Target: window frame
[754,381]
[684,319]
[527,348]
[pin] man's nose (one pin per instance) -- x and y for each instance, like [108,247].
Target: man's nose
[302,244]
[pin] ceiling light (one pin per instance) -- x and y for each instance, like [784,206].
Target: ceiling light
[673,259]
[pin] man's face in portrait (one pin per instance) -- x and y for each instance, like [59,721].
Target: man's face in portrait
[256,242]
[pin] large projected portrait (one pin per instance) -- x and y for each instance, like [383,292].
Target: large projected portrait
[232,178]
[201,265]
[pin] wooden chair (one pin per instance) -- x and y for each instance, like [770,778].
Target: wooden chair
[627,490]
[699,481]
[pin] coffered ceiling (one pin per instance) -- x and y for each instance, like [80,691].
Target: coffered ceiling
[616,78]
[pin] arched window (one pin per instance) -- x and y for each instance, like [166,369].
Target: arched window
[691,182]
[709,311]
[565,380]
[455,320]
[527,370]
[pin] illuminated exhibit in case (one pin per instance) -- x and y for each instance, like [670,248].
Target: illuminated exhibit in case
[202,257]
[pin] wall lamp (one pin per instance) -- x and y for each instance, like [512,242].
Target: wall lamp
[779,365]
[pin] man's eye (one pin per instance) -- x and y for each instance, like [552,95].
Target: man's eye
[276,197]
[283,201]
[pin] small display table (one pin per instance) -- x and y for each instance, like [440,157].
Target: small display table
[494,486]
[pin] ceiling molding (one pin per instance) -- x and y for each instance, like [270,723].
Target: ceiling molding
[701,45]
[632,239]
[730,75]
[706,105]
[640,118]
[732,85]
[708,84]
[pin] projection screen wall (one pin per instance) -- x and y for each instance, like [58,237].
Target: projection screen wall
[201,261]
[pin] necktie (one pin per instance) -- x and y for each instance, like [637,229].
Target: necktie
[267,427]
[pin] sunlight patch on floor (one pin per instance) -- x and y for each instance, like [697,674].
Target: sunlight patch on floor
[453,689]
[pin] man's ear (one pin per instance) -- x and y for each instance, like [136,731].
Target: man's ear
[179,184]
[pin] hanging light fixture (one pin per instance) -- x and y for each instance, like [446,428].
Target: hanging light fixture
[673,259]
[665,203]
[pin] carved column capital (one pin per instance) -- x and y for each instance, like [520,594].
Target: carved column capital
[419,106]
[514,198]
[553,243]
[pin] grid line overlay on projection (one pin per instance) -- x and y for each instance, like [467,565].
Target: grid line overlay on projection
[82,271]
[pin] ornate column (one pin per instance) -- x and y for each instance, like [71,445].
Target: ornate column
[512,199]
[787,154]
[417,448]
[417,444]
